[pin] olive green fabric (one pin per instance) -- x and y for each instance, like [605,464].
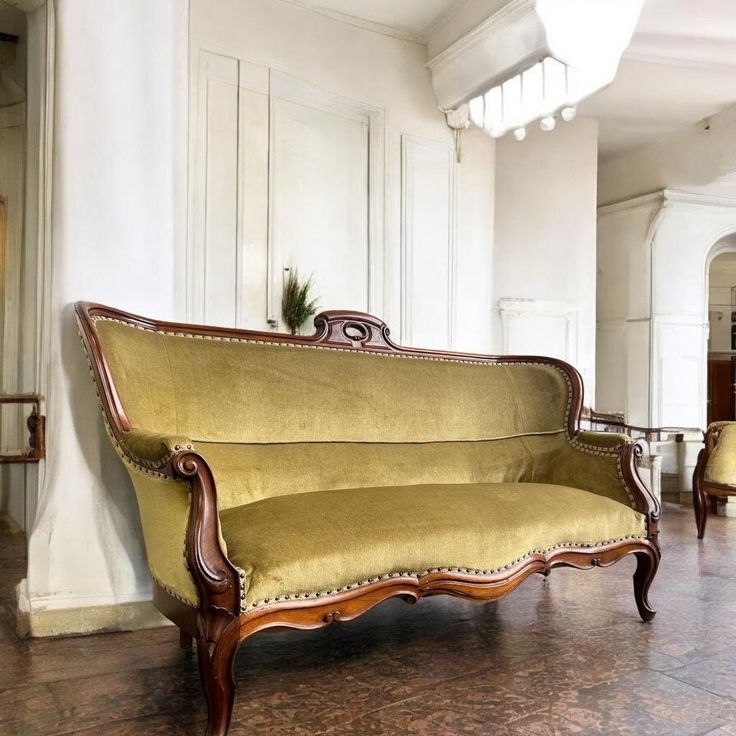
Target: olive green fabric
[153,448]
[721,467]
[318,542]
[605,440]
[592,464]
[164,507]
[237,391]
[247,473]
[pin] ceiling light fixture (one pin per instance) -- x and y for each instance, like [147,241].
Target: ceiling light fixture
[534,60]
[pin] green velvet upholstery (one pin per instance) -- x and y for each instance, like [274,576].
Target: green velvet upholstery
[318,542]
[223,391]
[721,467]
[313,448]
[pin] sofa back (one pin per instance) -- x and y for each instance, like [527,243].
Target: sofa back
[224,386]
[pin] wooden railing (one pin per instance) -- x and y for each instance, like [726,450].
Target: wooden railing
[603,421]
[36,425]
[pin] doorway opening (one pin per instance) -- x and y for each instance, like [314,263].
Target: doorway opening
[24,179]
[721,358]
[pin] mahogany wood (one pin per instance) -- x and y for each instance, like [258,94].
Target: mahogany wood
[218,624]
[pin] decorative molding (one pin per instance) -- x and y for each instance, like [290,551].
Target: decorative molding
[362,23]
[257,87]
[288,88]
[408,144]
[496,23]
[686,52]
[666,196]
[511,310]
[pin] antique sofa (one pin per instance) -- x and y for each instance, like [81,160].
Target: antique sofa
[297,481]
[715,472]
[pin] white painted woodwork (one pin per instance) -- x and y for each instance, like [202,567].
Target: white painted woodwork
[215,251]
[319,202]
[286,175]
[428,253]
[537,327]
[659,248]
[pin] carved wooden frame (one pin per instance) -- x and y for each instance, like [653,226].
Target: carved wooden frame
[218,623]
[703,490]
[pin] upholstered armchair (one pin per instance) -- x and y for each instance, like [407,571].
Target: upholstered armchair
[715,473]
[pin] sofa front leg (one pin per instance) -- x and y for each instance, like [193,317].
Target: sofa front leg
[217,671]
[647,563]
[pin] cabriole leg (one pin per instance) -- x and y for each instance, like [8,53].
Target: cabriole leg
[217,670]
[646,568]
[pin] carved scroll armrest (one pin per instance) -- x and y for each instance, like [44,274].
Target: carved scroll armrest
[605,463]
[153,450]
[222,586]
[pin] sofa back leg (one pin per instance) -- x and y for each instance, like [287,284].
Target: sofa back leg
[700,499]
[217,671]
[185,639]
[647,563]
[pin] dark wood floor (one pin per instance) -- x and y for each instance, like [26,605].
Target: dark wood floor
[563,656]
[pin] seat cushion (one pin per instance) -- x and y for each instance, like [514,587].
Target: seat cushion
[322,541]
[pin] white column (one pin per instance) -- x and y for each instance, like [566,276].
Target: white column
[118,214]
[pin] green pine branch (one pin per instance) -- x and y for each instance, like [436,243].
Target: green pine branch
[296,305]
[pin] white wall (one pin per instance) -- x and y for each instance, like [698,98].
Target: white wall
[283,81]
[119,177]
[544,245]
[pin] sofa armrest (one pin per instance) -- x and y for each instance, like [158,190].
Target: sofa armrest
[605,463]
[151,449]
[191,522]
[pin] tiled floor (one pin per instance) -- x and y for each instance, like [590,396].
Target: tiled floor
[563,656]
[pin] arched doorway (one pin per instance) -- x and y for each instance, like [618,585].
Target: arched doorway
[721,346]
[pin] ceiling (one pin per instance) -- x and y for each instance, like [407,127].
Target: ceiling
[680,66]
[410,18]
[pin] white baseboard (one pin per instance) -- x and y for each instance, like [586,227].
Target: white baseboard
[41,618]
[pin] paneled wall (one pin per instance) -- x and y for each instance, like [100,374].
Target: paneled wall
[545,245]
[340,166]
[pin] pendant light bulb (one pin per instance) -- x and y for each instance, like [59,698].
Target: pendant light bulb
[568,113]
[547,124]
[520,134]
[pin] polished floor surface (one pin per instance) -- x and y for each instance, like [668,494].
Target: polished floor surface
[568,655]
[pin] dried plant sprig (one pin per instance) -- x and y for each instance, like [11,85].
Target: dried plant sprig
[296,305]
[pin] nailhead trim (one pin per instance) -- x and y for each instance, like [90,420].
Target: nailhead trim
[171,592]
[417,575]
